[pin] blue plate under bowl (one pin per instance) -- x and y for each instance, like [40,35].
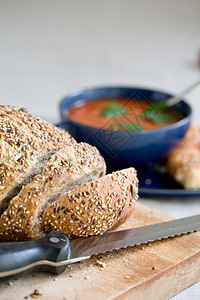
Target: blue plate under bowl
[156,182]
[123,149]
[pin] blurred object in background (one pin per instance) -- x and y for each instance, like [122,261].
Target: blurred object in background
[50,47]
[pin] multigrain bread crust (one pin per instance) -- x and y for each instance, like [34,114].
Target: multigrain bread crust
[70,167]
[95,207]
[49,136]
[26,144]
[183,163]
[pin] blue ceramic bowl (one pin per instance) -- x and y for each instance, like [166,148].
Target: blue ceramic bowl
[126,148]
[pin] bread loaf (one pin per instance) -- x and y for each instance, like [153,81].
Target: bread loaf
[50,182]
[183,163]
[26,144]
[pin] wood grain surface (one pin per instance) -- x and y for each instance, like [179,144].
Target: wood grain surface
[156,270]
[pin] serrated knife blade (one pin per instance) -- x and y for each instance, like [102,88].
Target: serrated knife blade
[54,252]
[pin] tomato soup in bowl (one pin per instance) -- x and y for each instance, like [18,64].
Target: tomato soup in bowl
[130,126]
[123,114]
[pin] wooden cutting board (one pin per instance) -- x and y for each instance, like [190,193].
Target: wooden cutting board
[158,270]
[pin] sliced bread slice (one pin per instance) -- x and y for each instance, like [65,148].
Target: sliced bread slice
[70,167]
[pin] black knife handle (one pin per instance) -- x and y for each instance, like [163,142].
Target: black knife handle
[54,247]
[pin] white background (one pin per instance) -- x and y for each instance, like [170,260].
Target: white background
[48,48]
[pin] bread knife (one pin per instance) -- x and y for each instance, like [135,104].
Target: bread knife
[55,251]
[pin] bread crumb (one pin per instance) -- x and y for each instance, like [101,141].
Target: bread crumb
[10,284]
[35,294]
[101,264]
[85,260]
[90,265]
[148,181]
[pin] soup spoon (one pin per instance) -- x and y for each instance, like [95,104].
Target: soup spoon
[171,101]
[190,90]
[149,113]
